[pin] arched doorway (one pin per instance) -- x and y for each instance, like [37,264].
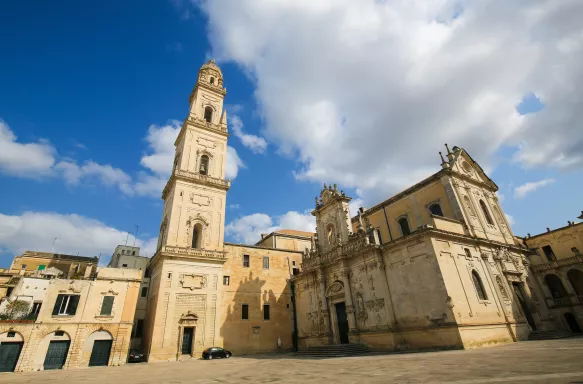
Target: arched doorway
[555,286]
[53,350]
[98,348]
[572,322]
[575,277]
[10,347]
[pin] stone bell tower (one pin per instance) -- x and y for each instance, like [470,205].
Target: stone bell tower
[182,316]
[195,195]
[333,224]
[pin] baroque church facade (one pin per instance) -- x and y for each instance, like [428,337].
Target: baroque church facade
[435,266]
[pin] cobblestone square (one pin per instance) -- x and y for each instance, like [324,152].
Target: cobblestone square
[557,361]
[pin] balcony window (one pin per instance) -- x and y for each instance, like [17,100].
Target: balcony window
[548,251]
[204,165]
[404,225]
[246,261]
[436,209]
[66,305]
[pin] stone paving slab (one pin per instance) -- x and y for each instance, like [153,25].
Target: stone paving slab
[538,362]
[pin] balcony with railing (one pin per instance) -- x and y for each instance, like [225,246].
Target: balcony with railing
[559,263]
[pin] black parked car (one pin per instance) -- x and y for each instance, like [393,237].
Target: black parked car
[135,356]
[215,352]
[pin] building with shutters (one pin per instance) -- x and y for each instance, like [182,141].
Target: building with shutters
[72,323]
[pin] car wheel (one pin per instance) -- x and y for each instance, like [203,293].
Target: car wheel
[228,355]
[210,357]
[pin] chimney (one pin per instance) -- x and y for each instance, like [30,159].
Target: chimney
[548,229]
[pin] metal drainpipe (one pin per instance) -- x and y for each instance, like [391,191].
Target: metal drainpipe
[387,220]
[295,318]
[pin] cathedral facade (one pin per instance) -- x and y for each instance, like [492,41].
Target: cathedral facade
[436,266]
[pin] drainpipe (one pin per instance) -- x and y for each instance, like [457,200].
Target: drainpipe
[387,220]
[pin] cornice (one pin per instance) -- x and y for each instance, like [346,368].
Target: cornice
[195,178]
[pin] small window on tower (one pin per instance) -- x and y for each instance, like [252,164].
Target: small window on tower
[208,114]
[212,80]
[204,165]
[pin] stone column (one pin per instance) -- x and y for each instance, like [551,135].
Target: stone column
[325,305]
[389,300]
[348,298]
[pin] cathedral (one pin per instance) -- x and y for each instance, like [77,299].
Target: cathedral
[435,266]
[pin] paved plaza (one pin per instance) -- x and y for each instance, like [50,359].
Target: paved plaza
[557,361]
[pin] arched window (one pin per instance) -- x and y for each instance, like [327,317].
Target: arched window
[204,165]
[469,206]
[486,212]
[555,286]
[208,114]
[404,225]
[196,236]
[435,209]
[212,80]
[575,277]
[479,286]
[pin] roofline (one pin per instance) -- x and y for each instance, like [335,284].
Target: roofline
[44,255]
[267,248]
[284,235]
[552,231]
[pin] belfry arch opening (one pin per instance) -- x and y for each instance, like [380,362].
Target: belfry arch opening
[208,114]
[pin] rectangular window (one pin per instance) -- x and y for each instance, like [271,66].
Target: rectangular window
[549,253]
[246,261]
[66,305]
[226,280]
[124,265]
[107,306]
[23,266]
[170,275]
[11,334]
[265,311]
[147,272]
[245,312]
[265,262]
[139,328]
[41,267]
[144,291]
[133,253]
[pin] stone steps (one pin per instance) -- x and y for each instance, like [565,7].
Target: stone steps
[340,350]
[550,335]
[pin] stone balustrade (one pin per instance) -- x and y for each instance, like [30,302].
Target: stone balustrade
[195,252]
[353,246]
[558,263]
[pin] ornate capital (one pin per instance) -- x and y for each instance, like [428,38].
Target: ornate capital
[349,309]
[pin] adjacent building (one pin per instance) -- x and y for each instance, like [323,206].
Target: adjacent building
[52,323]
[58,265]
[557,269]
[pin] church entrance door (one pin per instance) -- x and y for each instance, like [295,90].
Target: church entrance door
[342,320]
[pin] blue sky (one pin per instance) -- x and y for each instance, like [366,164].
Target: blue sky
[81,84]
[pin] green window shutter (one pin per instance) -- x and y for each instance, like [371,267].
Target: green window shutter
[73,303]
[41,267]
[107,306]
[58,304]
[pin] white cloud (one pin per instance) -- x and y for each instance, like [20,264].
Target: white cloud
[510,219]
[364,93]
[248,229]
[255,144]
[522,190]
[91,171]
[234,162]
[75,234]
[24,159]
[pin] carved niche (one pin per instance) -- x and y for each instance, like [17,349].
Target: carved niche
[335,289]
[193,281]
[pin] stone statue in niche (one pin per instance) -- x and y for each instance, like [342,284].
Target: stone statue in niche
[371,283]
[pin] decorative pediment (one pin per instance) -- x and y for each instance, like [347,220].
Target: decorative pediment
[335,289]
[110,292]
[193,282]
[71,289]
[188,317]
[200,218]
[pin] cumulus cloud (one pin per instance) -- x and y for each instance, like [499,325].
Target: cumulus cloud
[234,162]
[24,159]
[255,144]
[365,92]
[74,233]
[248,229]
[90,171]
[524,189]
[510,219]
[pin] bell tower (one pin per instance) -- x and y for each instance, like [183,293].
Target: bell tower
[195,195]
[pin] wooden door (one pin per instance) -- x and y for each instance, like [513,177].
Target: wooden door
[187,337]
[342,320]
[56,354]
[9,354]
[100,353]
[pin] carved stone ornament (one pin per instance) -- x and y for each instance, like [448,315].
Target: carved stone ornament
[193,282]
[349,309]
[335,289]
[188,317]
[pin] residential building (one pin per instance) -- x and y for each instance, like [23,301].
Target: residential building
[77,322]
[67,266]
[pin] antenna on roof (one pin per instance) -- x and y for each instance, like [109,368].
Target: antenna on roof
[128,235]
[53,245]
[136,234]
